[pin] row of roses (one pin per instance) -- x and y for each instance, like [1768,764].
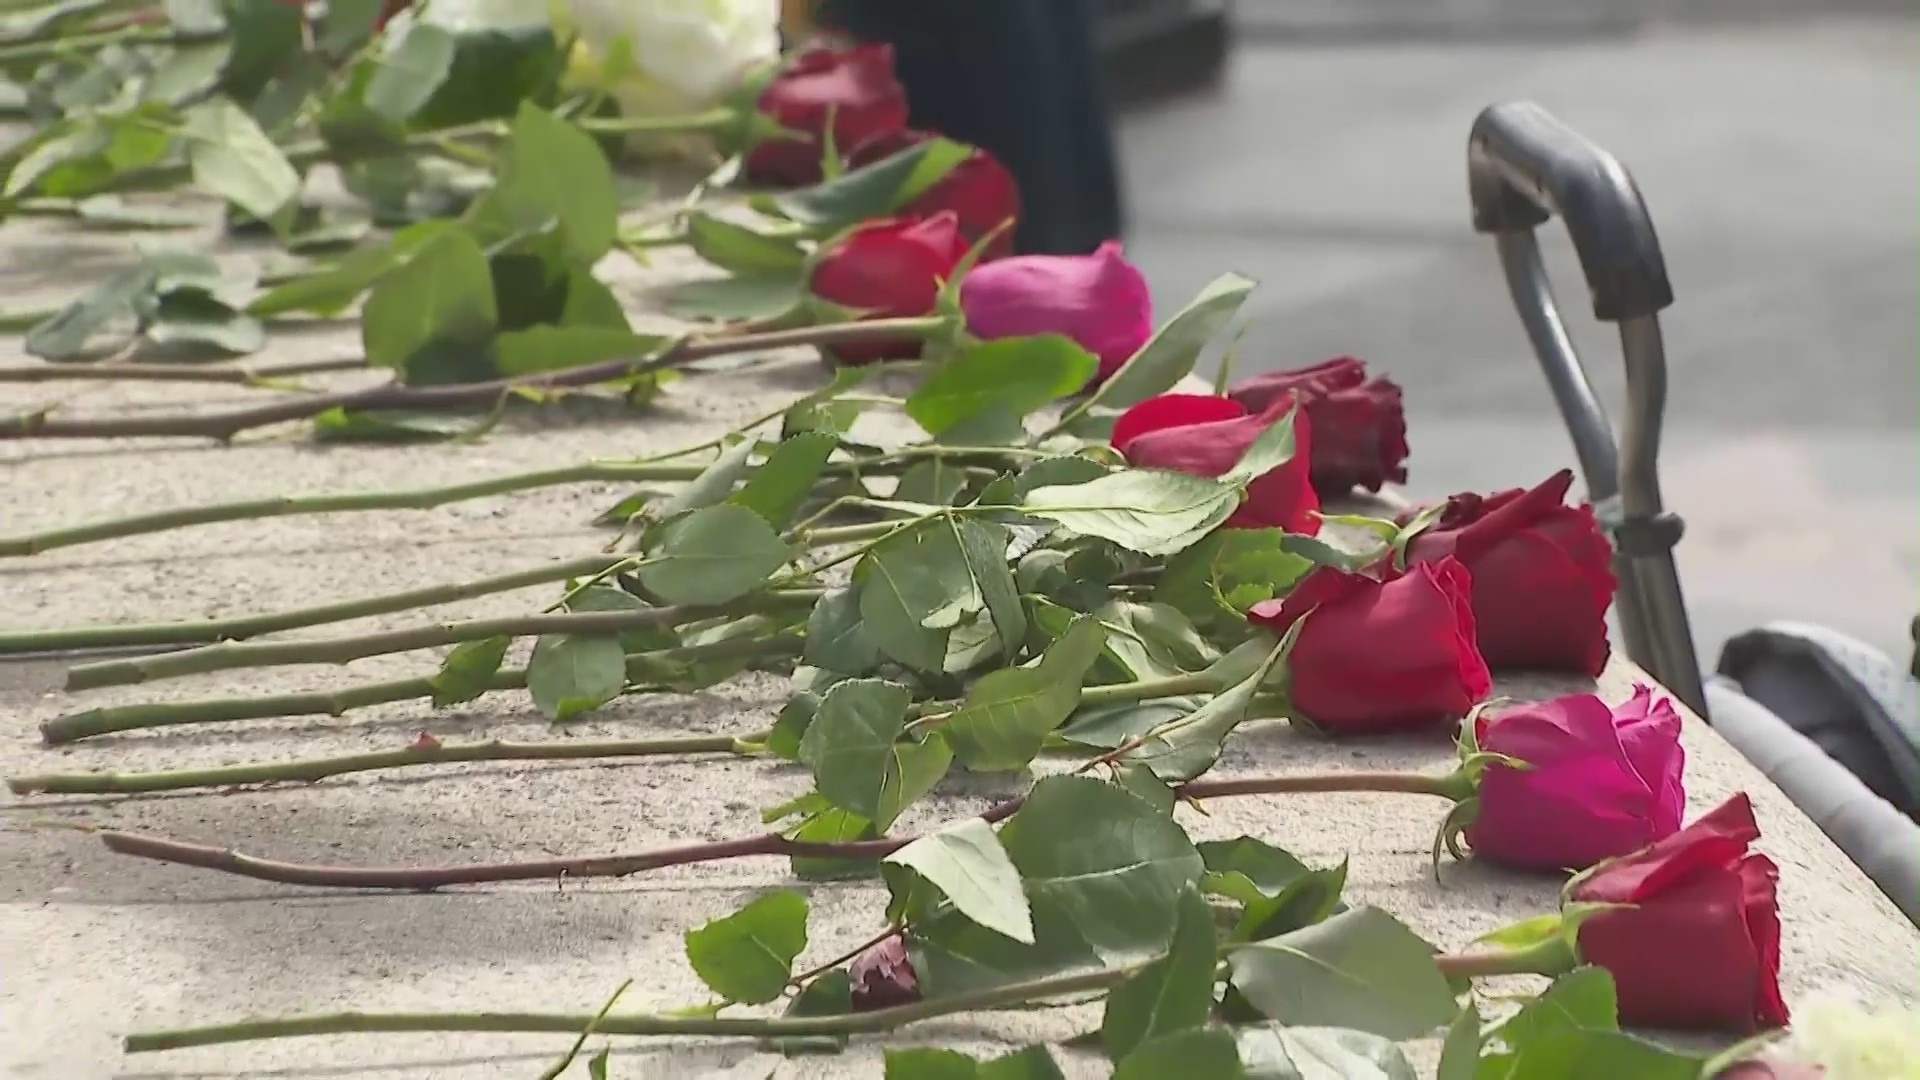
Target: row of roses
[1516,579]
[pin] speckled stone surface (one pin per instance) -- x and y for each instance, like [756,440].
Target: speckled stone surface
[93,945]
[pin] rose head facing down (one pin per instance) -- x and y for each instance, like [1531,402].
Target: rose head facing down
[1100,301]
[1542,575]
[979,191]
[1699,947]
[883,976]
[1360,430]
[889,268]
[851,87]
[1381,654]
[1601,781]
[1201,435]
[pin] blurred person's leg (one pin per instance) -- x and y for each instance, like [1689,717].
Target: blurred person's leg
[1019,78]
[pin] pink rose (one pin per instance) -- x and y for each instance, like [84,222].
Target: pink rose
[1098,300]
[1603,782]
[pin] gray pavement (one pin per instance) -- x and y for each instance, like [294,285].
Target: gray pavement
[1778,159]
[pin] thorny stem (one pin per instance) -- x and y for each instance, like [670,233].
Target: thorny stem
[74,727]
[116,371]
[40,424]
[763,1027]
[427,878]
[877,1020]
[601,471]
[423,752]
[247,626]
[342,650]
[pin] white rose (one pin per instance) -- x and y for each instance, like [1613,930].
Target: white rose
[686,55]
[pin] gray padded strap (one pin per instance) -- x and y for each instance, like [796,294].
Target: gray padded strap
[1880,839]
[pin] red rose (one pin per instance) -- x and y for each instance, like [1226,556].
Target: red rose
[883,977]
[853,87]
[1770,1069]
[1700,947]
[1201,435]
[1360,432]
[1381,654]
[979,190]
[1601,781]
[889,268]
[1542,575]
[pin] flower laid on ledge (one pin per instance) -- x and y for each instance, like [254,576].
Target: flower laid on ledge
[1065,573]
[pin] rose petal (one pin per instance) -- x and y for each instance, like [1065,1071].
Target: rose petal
[1715,839]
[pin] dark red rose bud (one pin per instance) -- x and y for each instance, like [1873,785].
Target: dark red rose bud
[979,190]
[850,87]
[1542,575]
[1359,428]
[883,977]
[1202,435]
[889,268]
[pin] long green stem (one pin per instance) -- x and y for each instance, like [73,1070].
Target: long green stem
[342,650]
[114,719]
[288,505]
[419,753]
[571,1023]
[247,626]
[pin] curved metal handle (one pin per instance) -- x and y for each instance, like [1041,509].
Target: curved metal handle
[1523,168]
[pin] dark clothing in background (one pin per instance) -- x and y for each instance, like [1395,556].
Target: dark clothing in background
[1019,78]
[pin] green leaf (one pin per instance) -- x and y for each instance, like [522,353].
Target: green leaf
[1278,894]
[984,546]
[858,756]
[331,290]
[406,75]
[741,250]
[552,174]
[711,556]
[69,332]
[1272,449]
[556,348]
[713,485]
[1009,712]
[114,212]
[1460,1053]
[829,994]
[755,296]
[1582,998]
[1170,354]
[1215,581]
[967,864]
[833,826]
[442,297]
[935,481]
[1273,1052]
[837,640]
[191,317]
[1585,1054]
[398,425]
[1108,726]
[1170,995]
[1360,969]
[915,586]
[1188,747]
[468,670]
[748,956]
[234,159]
[1195,1052]
[783,482]
[1150,641]
[1019,375]
[1105,860]
[932,1063]
[571,674]
[1145,510]
[875,190]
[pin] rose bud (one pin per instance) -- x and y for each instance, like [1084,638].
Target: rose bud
[852,87]
[1542,575]
[883,977]
[1601,782]
[1700,945]
[1380,654]
[889,268]
[1202,435]
[979,190]
[1360,431]
[1098,300]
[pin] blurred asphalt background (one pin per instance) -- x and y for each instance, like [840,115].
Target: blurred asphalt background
[1777,143]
